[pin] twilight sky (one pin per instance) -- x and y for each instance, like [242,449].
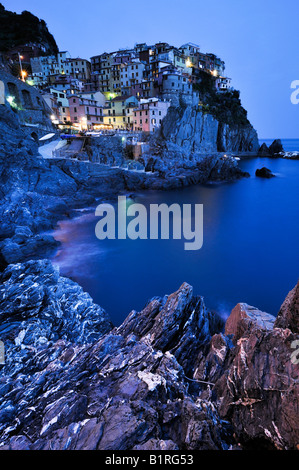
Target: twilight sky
[257,39]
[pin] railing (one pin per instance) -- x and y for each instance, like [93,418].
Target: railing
[61,153]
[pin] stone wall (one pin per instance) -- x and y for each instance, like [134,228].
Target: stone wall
[28,103]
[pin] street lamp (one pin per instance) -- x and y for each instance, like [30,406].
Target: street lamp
[21,68]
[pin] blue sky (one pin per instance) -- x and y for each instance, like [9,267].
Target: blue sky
[258,40]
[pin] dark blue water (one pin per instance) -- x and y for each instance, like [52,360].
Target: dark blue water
[249,254]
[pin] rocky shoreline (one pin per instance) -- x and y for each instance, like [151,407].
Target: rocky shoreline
[36,193]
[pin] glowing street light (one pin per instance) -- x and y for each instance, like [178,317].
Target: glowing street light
[21,69]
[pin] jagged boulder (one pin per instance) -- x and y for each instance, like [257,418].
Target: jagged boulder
[128,390]
[37,306]
[256,376]
[245,317]
[288,315]
[276,147]
[163,380]
[264,151]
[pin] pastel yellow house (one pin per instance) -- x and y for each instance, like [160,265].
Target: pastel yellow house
[118,112]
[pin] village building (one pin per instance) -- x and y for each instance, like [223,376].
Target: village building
[148,116]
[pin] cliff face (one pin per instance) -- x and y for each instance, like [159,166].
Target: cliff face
[237,138]
[197,132]
[190,129]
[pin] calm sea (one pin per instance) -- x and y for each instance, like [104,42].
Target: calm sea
[250,250]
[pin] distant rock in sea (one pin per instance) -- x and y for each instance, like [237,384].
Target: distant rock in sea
[264,173]
[274,150]
[276,147]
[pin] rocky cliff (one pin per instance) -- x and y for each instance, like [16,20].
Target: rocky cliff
[195,132]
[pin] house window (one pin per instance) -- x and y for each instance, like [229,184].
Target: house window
[75,110]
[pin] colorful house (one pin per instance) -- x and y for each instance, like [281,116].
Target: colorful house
[118,111]
[148,116]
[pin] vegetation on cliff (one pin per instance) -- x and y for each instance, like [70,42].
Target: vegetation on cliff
[226,106]
[20,29]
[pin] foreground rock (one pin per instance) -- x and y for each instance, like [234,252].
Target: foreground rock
[37,306]
[167,378]
[288,315]
[126,390]
[256,377]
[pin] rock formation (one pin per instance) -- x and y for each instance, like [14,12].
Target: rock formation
[276,147]
[264,172]
[167,378]
[196,132]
